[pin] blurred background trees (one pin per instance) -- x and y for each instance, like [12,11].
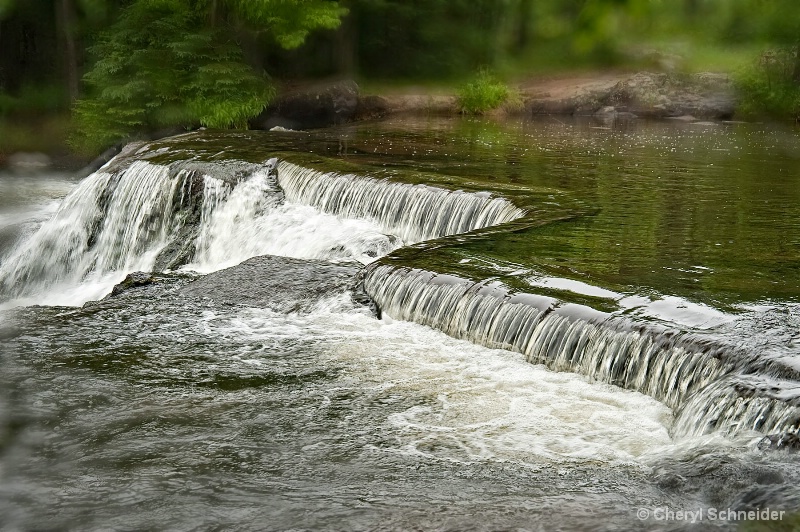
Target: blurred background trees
[148,64]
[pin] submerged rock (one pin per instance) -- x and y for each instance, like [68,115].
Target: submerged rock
[785,441]
[281,284]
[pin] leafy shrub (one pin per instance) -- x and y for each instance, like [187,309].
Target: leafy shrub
[156,70]
[768,88]
[168,63]
[482,94]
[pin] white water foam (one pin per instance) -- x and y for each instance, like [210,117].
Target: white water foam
[247,222]
[475,404]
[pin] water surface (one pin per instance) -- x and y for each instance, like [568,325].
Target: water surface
[156,411]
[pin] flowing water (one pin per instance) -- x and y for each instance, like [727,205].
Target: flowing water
[581,322]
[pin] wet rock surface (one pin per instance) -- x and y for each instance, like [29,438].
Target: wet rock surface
[133,280]
[281,284]
[731,483]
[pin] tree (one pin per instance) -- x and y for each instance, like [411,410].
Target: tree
[166,63]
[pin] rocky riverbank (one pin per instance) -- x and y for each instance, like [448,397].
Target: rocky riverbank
[609,96]
[703,96]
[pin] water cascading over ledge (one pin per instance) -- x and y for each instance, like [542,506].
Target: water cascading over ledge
[130,215]
[709,386]
[140,214]
[151,209]
[413,212]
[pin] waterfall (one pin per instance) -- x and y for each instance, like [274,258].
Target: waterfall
[699,379]
[110,222]
[412,212]
[139,215]
[252,219]
[128,217]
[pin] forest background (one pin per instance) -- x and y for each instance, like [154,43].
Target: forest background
[90,73]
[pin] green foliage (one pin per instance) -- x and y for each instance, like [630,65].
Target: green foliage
[288,21]
[482,94]
[167,63]
[768,87]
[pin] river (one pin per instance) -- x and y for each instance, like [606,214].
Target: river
[620,302]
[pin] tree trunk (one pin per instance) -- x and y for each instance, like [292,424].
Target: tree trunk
[67,23]
[522,34]
[796,73]
[215,14]
[345,47]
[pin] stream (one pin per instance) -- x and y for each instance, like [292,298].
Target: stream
[459,324]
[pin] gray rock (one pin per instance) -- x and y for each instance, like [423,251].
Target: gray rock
[312,107]
[132,280]
[281,284]
[786,441]
[371,106]
[656,95]
[703,96]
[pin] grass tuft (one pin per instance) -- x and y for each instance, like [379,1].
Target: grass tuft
[483,94]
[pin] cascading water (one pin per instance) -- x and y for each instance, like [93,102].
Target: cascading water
[706,384]
[183,393]
[412,212]
[207,216]
[141,215]
[112,222]
[252,219]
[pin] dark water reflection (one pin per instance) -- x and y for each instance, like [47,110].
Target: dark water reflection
[709,212]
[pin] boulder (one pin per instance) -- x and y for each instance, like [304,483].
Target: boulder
[132,280]
[703,95]
[311,107]
[784,441]
[372,106]
[281,284]
[655,95]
